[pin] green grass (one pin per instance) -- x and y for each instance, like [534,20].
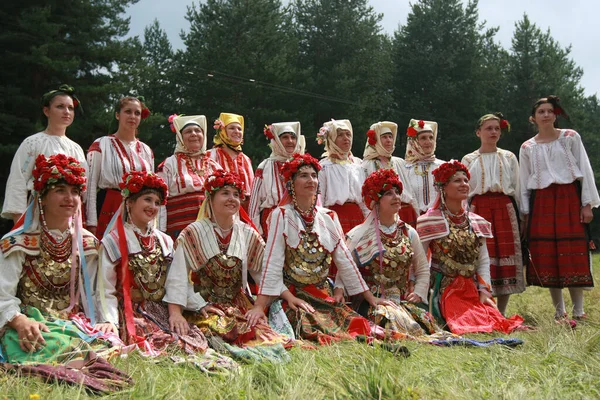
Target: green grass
[554,363]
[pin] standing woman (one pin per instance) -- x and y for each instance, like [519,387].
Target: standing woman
[134,261]
[389,255]
[558,193]
[185,173]
[303,241]
[460,266]
[494,195]
[421,161]
[268,188]
[58,112]
[342,176]
[379,150]
[109,157]
[227,150]
[216,253]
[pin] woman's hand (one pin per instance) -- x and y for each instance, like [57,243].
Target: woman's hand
[296,303]
[29,333]
[256,315]
[586,216]
[338,295]
[209,308]
[485,298]
[376,301]
[106,328]
[178,324]
[414,298]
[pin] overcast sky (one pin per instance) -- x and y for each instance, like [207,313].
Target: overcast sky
[571,22]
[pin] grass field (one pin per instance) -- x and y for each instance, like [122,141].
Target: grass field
[554,363]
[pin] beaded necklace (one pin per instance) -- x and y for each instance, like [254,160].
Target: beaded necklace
[59,249]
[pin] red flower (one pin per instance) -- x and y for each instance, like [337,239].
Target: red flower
[55,168]
[134,181]
[145,113]
[291,167]
[377,184]
[557,110]
[268,132]
[75,103]
[411,131]
[220,178]
[372,135]
[444,172]
[421,124]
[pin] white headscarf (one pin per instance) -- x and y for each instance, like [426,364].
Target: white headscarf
[414,151]
[330,129]
[381,128]
[279,128]
[181,122]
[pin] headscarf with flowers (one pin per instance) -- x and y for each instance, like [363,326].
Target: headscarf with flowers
[221,137]
[275,130]
[62,90]
[327,135]
[178,123]
[377,184]
[373,147]
[497,116]
[414,151]
[446,171]
[135,181]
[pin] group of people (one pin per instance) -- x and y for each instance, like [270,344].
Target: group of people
[382,247]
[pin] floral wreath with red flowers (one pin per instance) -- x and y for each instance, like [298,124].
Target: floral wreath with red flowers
[291,167]
[171,118]
[268,131]
[377,184]
[444,172]
[57,168]
[133,182]
[371,137]
[220,178]
[412,128]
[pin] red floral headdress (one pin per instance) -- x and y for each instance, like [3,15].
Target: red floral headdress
[145,110]
[134,181]
[372,137]
[291,167]
[444,172]
[171,118]
[412,131]
[220,178]
[268,131]
[377,184]
[56,168]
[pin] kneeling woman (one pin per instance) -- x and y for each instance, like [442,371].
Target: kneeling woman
[303,241]
[460,264]
[47,264]
[218,251]
[135,258]
[390,257]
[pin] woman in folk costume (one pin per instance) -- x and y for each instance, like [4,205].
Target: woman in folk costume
[185,173]
[134,262]
[460,265]
[227,150]
[303,241]
[558,193]
[389,256]
[47,265]
[268,188]
[217,252]
[494,195]
[421,161]
[58,112]
[381,143]
[109,157]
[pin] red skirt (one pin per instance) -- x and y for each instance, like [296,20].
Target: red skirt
[506,258]
[110,205]
[464,313]
[182,210]
[349,214]
[408,215]
[558,242]
[265,213]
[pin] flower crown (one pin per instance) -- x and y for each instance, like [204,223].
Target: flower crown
[133,182]
[56,168]
[377,184]
[268,131]
[371,137]
[291,167]
[412,131]
[220,178]
[444,172]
